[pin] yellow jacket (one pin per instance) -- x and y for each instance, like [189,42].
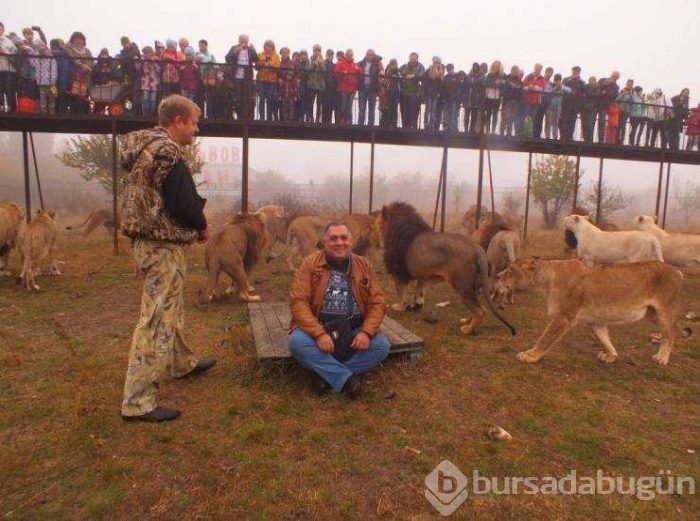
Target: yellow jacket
[265,73]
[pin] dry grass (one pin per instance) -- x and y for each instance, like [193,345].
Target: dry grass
[255,443]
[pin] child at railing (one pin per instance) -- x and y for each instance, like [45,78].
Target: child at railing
[150,80]
[189,76]
[171,77]
[46,74]
[613,124]
[693,128]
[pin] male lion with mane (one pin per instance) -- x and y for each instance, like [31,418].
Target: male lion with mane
[413,251]
[236,250]
[11,215]
[599,296]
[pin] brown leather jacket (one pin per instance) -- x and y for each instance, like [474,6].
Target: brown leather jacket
[309,287]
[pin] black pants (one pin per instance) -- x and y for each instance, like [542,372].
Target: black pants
[538,119]
[8,89]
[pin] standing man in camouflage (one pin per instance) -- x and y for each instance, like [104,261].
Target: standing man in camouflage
[162,214]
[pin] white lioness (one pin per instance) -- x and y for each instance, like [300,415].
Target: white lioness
[36,241]
[679,249]
[599,297]
[11,215]
[595,247]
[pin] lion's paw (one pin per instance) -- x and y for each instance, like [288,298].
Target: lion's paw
[606,357]
[661,359]
[251,298]
[397,307]
[527,356]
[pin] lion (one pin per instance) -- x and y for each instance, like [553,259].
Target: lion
[679,249]
[36,241]
[599,296]
[235,250]
[304,234]
[469,218]
[505,248]
[11,215]
[487,230]
[103,216]
[413,251]
[595,246]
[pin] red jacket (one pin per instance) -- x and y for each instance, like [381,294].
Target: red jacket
[533,97]
[347,76]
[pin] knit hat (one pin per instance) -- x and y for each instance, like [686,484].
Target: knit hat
[189,51]
[170,43]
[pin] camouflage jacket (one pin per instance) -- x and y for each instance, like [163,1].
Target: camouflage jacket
[148,156]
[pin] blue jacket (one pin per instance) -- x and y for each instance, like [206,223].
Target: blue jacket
[64,72]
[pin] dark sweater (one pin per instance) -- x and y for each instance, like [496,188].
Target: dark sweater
[181,201]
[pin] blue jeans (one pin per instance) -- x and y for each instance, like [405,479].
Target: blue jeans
[307,353]
[367,97]
[148,102]
[268,100]
[451,114]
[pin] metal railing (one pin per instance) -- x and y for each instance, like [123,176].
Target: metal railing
[321,94]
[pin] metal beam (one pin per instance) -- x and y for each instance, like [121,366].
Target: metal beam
[658,190]
[244,172]
[479,187]
[668,183]
[27,192]
[527,195]
[444,189]
[115,231]
[36,172]
[600,192]
[352,166]
[578,179]
[371,175]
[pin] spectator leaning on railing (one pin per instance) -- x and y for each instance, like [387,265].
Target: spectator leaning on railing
[412,74]
[8,73]
[310,89]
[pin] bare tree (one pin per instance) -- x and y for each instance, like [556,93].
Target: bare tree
[612,200]
[687,198]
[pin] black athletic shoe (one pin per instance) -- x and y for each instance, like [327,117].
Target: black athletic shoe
[202,367]
[157,415]
[352,387]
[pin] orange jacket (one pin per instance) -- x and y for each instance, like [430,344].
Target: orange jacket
[309,287]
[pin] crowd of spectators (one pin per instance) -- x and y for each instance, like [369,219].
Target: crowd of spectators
[57,77]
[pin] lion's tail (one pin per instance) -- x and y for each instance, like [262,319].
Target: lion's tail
[252,252]
[80,225]
[486,288]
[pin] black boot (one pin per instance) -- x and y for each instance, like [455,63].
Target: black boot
[352,387]
[202,367]
[157,415]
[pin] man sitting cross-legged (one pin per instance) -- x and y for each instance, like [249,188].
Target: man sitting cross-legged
[335,290]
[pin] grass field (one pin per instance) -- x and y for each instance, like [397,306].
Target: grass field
[254,442]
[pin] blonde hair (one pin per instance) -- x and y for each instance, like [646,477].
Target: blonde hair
[174,106]
[496,67]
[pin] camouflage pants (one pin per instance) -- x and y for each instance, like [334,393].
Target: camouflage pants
[157,347]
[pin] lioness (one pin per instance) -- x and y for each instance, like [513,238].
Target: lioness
[235,250]
[103,216]
[599,296]
[304,234]
[36,241]
[596,247]
[679,249]
[505,248]
[11,215]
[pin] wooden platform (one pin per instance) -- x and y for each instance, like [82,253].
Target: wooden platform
[270,323]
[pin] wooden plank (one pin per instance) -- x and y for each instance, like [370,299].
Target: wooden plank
[270,325]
